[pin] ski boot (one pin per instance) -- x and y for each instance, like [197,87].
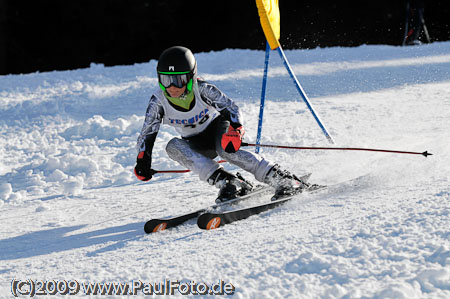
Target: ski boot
[230,185]
[284,182]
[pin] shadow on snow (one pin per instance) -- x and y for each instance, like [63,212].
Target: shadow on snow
[62,239]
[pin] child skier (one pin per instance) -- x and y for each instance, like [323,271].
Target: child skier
[210,125]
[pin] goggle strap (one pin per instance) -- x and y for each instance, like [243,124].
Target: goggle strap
[174,73]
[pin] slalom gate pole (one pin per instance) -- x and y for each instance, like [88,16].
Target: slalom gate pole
[405,36]
[303,94]
[424,26]
[171,171]
[425,153]
[263,97]
[179,170]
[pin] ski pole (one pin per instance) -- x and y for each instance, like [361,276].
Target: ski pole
[178,170]
[170,171]
[425,153]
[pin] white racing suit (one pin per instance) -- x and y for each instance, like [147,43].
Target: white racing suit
[201,128]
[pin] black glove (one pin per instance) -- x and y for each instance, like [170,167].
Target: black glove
[143,170]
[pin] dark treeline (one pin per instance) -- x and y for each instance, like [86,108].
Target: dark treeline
[50,35]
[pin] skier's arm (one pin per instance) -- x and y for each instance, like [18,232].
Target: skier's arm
[232,139]
[146,139]
[226,107]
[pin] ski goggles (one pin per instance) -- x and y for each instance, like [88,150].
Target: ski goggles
[166,79]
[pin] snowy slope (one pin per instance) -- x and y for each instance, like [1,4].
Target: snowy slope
[71,209]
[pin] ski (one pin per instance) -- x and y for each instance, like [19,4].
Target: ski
[213,220]
[160,224]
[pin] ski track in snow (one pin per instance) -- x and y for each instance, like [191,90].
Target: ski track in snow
[71,208]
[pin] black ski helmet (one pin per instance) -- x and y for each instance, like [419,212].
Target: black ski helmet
[177,60]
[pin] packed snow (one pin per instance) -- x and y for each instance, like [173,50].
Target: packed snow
[71,208]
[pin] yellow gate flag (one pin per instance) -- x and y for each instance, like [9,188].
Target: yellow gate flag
[269,15]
